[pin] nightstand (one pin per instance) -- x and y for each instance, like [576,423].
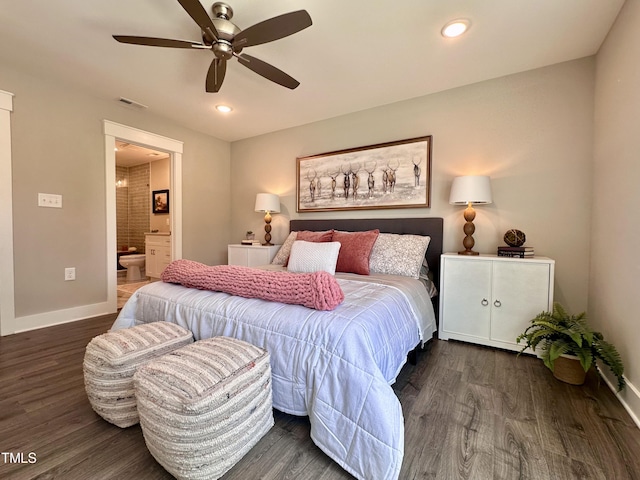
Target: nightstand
[251,255]
[490,300]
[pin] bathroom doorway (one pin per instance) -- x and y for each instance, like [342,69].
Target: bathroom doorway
[154,148]
[140,171]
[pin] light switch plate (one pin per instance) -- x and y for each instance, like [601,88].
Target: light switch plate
[50,200]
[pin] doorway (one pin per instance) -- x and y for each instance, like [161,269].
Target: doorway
[140,174]
[120,133]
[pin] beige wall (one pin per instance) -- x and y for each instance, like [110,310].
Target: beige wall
[160,179]
[615,265]
[531,132]
[58,147]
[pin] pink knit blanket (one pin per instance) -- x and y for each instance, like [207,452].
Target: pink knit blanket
[318,290]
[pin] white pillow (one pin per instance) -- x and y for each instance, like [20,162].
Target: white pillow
[313,256]
[395,254]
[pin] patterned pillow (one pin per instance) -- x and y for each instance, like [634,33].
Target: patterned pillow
[355,250]
[395,254]
[313,256]
[283,253]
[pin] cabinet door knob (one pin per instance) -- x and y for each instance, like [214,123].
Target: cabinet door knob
[484,302]
[497,303]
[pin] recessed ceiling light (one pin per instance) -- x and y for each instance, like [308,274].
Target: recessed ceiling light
[224,108]
[455,28]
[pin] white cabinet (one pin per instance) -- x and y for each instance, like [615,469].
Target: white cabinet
[158,254]
[251,255]
[490,300]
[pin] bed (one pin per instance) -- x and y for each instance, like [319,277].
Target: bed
[336,366]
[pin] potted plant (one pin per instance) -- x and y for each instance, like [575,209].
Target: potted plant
[250,235]
[567,342]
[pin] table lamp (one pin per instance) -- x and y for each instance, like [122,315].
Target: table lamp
[467,190]
[268,203]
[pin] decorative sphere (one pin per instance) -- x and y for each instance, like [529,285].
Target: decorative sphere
[514,238]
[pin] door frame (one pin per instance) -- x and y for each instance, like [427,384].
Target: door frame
[113,131]
[7,280]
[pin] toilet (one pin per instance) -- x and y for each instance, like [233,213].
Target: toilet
[133,263]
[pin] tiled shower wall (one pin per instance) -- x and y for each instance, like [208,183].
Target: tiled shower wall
[133,206]
[122,208]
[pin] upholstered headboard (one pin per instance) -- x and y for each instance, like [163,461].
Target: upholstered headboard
[416,226]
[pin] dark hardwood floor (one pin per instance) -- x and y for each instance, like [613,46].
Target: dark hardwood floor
[470,412]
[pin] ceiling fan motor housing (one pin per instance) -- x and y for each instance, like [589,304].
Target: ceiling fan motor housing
[226,32]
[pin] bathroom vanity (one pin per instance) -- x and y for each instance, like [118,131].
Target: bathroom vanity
[158,251]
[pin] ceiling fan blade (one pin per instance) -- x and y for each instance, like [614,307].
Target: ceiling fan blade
[273,29]
[199,15]
[158,42]
[215,75]
[268,71]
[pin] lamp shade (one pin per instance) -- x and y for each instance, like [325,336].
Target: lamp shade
[267,202]
[474,189]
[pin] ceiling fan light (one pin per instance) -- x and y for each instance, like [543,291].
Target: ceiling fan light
[455,28]
[224,108]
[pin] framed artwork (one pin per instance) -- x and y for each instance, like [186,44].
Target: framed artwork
[386,175]
[160,201]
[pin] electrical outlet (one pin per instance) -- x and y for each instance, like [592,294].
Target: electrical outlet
[69,273]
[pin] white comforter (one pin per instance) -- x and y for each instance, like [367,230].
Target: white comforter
[334,366]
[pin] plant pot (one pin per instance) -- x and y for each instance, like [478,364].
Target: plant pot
[567,368]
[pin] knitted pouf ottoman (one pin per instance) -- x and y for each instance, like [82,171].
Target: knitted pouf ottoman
[111,359]
[204,406]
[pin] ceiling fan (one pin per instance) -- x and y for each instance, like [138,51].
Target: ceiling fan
[226,40]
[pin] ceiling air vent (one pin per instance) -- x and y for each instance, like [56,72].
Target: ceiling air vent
[131,103]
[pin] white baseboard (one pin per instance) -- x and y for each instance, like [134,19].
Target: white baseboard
[57,317]
[629,397]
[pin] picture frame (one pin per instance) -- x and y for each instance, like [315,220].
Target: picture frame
[160,201]
[386,175]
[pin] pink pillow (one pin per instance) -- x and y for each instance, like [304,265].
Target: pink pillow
[355,250]
[309,236]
